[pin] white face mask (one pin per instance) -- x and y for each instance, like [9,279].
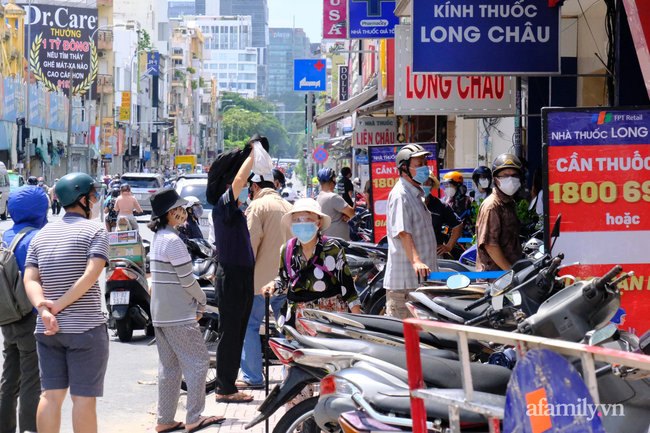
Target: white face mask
[95,210]
[484,183]
[450,191]
[509,185]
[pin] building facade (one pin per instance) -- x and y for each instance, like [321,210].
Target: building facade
[285,45]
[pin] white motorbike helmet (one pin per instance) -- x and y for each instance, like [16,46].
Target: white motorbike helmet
[195,204]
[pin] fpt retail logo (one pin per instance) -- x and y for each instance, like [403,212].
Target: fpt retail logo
[602,117]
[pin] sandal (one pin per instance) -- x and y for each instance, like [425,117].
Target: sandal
[176,427]
[238,397]
[206,422]
[242,384]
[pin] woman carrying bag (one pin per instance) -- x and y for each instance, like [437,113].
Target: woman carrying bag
[176,302]
[313,269]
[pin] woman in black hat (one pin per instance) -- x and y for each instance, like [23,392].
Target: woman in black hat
[176,302]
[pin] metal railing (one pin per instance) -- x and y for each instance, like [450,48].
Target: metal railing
[523,343]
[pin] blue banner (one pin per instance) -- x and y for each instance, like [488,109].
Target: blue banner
[499,37]
[371,19]
[591,128]
[153,63]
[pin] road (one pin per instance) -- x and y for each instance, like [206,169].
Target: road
[130,389]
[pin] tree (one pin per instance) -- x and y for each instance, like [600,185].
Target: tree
[144,43]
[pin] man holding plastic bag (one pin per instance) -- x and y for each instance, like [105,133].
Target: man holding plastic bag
[234,282]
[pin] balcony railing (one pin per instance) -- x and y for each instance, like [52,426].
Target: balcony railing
[104,83]
[177,53]
[105,39]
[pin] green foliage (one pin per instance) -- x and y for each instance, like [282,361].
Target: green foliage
[239,126]
[195,85]
[178,73]
[191,70]
[301,171]
[144,43]
[201,82]
[527,216]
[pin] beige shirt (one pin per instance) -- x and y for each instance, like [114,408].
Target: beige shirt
[125,204]
[264,219]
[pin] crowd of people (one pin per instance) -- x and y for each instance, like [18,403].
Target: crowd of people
[49,350]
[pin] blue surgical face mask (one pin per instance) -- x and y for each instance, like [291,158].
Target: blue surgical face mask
[427,190]
[305,232]
[421,174]
[243,195]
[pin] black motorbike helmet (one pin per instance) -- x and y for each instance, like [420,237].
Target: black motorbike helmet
[481,171]
[279,176]
[507,160]
[32,180]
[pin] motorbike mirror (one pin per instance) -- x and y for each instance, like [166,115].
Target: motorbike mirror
[603,335]
[556,227]
[458,281]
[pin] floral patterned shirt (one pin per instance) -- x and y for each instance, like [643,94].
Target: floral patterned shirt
[327,272]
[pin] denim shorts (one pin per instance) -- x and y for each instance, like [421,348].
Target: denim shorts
[75,361]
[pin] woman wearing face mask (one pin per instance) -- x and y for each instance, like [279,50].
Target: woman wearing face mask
[482,177]
[176,301]
[497,226]
[457,198]
[313,269]
[441,216]
[191,229]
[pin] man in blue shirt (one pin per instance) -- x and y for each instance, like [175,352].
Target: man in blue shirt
[28,207]
[234,282]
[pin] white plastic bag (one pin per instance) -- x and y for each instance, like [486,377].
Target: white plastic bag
[263,164]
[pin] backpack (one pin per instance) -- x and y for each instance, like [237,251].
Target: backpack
[14,303]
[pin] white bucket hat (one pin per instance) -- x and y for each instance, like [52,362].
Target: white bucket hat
[307,205]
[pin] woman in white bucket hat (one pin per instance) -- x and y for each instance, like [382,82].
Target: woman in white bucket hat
[313,269]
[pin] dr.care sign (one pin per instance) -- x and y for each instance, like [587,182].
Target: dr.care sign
[499,37]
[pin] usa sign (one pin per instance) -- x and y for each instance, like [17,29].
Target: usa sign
[428,94]
[335,16]
[496,37]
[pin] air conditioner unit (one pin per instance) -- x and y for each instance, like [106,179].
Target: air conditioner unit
[101,54]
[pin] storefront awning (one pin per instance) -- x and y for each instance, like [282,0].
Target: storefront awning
[345,109]
[374,107]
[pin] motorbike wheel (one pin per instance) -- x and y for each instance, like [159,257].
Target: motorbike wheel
[299,418]
[210,380]
[379,307]
[124,329]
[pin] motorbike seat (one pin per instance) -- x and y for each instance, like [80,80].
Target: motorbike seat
[457,306]
[394,326]
[399,403]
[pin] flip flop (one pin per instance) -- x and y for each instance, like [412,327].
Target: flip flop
[241,384]
[178,427]
[206,423]
[238,397]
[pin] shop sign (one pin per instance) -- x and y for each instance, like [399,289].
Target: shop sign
[375,131]
[62,41]
[598,178]
[125,108]
[344,83]
[335,16]
[384,176]
[638,17]
[497,37]
[371,19]
[430,94]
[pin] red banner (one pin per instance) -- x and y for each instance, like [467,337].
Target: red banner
[384,176]
[638,17]
[335,15]
[598,179]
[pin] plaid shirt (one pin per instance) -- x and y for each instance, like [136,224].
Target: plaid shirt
[408,213]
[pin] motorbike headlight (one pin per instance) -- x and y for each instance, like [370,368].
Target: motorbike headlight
[206,251]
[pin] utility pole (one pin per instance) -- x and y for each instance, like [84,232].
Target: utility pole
[29,82]
[69,164]
[310,99]
[101,120]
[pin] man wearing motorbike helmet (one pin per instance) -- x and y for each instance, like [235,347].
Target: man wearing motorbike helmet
[411,240]
[191,229]
[63,265]
[32,180]
[497,226]
[482,177]
[278,179]
[457,198]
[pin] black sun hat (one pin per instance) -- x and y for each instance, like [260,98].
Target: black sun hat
[164,200]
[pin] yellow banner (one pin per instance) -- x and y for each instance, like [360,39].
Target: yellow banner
[125,114]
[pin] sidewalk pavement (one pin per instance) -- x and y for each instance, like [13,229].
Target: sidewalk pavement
[238,414]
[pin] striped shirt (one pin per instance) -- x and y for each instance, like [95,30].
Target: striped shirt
[61,251]
[175,294]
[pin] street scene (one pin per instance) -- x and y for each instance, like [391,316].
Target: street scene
[337,216]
